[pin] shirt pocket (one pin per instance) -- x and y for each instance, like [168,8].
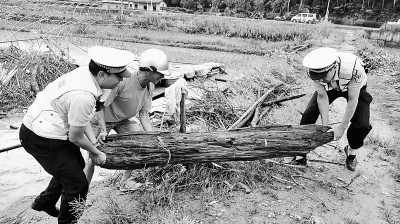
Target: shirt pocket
[49,123]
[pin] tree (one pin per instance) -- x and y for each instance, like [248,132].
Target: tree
[189,4]
[173,3]
[205,3]
[301,5]
[259,5]
[277,5]
[327,11]
[215,4]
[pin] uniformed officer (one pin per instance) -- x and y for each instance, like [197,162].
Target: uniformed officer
[338,74]
[55,125]
[132,96]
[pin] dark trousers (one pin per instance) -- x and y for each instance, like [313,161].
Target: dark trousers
[63,160]
[359,123]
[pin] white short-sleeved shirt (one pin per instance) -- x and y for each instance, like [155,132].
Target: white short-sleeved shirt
[62,103]
[75,107]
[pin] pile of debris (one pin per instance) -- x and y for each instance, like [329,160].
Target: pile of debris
[220,111]
[24,74]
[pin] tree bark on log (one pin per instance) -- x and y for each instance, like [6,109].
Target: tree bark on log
[140,150]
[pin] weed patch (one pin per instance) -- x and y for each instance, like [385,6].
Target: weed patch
[11,220]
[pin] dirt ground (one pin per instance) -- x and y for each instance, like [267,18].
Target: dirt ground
[326,192]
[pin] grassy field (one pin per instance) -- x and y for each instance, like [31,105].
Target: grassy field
[209,41]
[179,30]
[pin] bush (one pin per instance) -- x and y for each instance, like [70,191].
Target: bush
[390,27]
[357,22]
[83,29]
[366,23]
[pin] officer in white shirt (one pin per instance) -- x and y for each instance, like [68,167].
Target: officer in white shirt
[338,74]
[57,125]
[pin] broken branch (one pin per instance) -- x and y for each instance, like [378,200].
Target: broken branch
[269,103]
[246,116]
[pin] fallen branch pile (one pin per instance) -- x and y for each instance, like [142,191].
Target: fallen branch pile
[254,115]
[216,109]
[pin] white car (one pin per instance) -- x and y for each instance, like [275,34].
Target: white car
[305,18]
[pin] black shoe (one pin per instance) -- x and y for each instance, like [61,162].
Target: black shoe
[52,211]
[351,160]
[302,161]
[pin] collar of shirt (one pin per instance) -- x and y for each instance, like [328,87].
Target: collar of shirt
[99,90]
[333,82]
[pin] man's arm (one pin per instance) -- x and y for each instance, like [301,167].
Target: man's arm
[145,120]
[77,137]
[90,134]
[103,129]
[80,111]
[353,94]
[323,103]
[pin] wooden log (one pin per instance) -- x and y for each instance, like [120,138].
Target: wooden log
[254,120]
[139,150]
[34,84]
[182,119]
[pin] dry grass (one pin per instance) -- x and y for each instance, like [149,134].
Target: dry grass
[390,215]
[214,109]
[11,220]
[21,90]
